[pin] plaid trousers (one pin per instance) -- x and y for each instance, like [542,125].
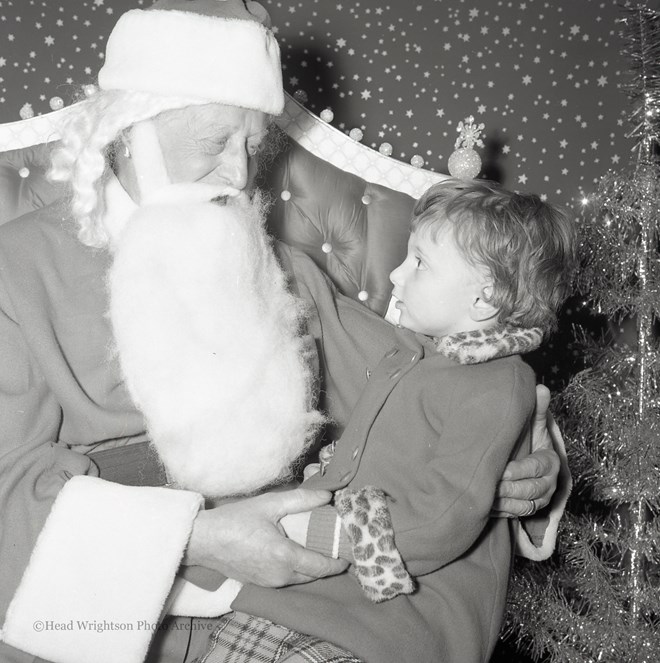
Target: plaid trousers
[241,638]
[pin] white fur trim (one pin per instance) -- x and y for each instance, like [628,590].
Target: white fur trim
[188,599]
[100,572]
[212,59]
[524,545]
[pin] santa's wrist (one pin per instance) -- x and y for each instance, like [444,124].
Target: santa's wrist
[326,535]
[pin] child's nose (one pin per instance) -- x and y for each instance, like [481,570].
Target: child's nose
[395,276]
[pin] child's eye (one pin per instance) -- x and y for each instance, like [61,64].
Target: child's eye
[419,264]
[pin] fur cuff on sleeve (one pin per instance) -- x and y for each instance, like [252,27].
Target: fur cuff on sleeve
[100,572]
[378,564]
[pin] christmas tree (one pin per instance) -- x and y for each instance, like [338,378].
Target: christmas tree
[598,599]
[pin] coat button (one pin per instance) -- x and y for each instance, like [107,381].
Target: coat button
[368,374]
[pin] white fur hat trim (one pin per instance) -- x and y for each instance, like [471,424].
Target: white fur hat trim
[208,59]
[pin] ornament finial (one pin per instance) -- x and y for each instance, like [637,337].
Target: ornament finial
[464,161]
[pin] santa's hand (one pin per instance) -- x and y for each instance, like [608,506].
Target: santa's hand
[243,540]
[528,484]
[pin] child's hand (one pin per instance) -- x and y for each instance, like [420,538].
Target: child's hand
[295,526]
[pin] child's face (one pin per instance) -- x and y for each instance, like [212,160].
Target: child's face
[435,285]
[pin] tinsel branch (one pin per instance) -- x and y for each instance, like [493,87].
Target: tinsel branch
[599,598]
[642,37]
[569,631]
[615,231]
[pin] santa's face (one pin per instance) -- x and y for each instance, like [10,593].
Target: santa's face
[212,143]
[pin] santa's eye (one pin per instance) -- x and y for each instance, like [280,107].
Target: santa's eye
[213,145]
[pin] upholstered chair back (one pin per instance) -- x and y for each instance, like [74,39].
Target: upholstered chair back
[23,183]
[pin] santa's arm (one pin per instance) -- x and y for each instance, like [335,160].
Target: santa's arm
[107,554]
[536,534]
[544,477]
[75,550]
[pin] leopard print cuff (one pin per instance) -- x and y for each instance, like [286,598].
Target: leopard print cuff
[378,565]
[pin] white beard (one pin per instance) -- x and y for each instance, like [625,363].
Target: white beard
[209,343]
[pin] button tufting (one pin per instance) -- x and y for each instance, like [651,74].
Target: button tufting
[24,172]
[366,199]
[326,247]
[285,195]
[363,295]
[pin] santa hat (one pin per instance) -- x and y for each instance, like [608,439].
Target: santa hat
[203,51]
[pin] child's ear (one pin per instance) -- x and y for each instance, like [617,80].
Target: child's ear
[481,309]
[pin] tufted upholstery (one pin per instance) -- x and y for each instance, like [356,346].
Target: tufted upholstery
[23,184]
[354,230]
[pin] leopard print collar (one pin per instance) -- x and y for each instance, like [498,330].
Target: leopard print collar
[475,347]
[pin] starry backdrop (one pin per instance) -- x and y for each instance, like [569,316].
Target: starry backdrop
[543,76]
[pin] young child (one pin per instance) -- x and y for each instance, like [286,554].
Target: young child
[437,419]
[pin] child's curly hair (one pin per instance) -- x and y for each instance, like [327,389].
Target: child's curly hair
[527,246]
